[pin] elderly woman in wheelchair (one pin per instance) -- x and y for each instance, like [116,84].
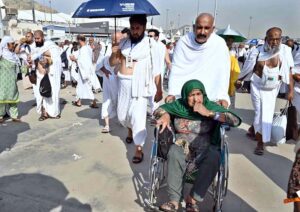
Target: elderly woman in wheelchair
[197,124]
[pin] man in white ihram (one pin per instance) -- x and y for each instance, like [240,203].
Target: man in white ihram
[86,70]
[204,56]
[110,85]
[138,75]
[47,107]
[273,66]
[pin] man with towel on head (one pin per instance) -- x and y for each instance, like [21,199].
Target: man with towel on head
[273,66]
[204,56]
[47,107]
[138,75]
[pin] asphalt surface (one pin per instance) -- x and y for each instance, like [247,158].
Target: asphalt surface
[69,165]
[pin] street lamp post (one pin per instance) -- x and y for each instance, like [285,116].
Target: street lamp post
[197,8]
[249,29]
[33,12]
[167,19]
[50,10]
[1,24]
[215,12]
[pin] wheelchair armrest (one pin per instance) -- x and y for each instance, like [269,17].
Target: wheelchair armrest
[157,130]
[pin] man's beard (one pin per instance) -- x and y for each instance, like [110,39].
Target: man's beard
[136,39]
[39,44]
[271,50]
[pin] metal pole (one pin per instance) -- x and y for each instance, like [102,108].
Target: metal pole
[178,21]
[50,11]
[249,29]
[215,12]
[167,17]
[33,12]
[44,11]
[1,24]
[197,9]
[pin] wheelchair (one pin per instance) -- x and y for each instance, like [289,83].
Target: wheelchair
[158,158]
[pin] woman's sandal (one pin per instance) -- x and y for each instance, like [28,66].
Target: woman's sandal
[259,151]
[168,207]
[75,103]
[136,159]
[129,140]
[191,207]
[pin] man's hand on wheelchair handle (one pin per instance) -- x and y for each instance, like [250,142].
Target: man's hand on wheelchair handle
[163,121]
[169,99]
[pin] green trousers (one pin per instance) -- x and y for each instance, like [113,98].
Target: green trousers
[12,109]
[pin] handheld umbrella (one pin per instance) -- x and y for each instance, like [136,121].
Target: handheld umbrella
[228,32]
[114,9]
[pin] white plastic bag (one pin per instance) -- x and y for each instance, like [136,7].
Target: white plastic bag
[279,127]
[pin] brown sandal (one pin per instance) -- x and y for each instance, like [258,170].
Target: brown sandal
[259,151]
[136,159]
[75,103]
[93,106]
[168,207]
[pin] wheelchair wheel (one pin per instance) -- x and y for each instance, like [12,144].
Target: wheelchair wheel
[156,178]
[226,169]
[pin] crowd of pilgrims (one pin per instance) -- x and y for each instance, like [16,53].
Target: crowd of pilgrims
[200,73]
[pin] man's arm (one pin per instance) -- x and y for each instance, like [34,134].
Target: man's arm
[291,87]
[115,56]
[168,60]
[159,93]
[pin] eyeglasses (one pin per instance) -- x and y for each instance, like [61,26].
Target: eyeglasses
[150,36]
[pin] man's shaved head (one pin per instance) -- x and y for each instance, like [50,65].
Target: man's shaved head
[204,26]
[116,38]
[273,39]
[39,38]
[207,16]
[39,33]
[273,30]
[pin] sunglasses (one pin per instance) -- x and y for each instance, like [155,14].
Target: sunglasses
[150,36]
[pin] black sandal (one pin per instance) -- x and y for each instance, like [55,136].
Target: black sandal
[259,151]
[136,159]
[191,207]
[43,118]
[94,106]
[129,140]
[168,207]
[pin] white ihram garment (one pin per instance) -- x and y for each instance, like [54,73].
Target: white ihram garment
[134,90]
[110,92]
[208,62]
[85,65]
[51,104]
[74,75]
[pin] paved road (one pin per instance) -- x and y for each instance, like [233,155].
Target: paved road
[68,165]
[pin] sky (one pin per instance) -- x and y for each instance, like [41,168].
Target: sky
[265,14]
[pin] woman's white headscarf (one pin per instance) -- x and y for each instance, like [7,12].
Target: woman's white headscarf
[5,52]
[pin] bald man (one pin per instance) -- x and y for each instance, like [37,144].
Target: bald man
[48,107]
[272,67]
[201,55]
[110,85]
